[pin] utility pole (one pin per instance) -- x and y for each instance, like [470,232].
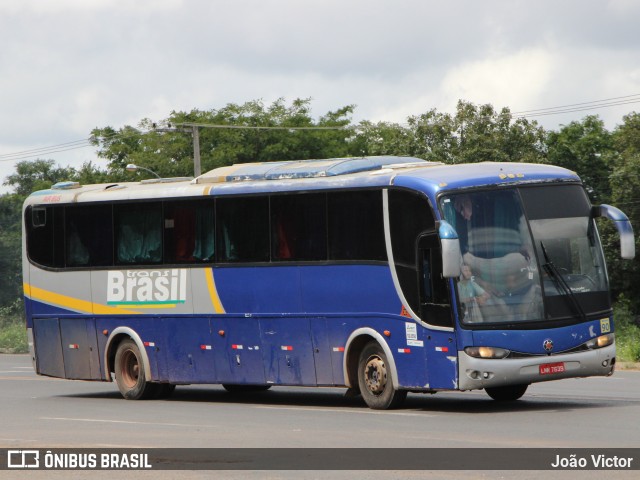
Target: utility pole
[193,130]
[197,170]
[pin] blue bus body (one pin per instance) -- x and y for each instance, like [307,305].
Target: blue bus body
[328,317]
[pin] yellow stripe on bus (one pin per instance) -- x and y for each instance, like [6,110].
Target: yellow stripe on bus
[71,303]
[213,292]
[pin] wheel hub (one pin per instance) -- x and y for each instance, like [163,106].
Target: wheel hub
[375,375]
[130,369]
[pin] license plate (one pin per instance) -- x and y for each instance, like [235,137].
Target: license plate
[551,368]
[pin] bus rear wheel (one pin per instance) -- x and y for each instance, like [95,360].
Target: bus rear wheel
[129,370]
[506,394]
[375,379]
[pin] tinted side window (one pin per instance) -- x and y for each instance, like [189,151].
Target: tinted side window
[243,229]
[138,233]
[356,226]
[45,235]
[88,236]
[299,227]
[189,231]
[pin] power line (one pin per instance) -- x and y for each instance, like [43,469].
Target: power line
[62,147]
[576,109]
[252,127]
[635,97]
[36,152]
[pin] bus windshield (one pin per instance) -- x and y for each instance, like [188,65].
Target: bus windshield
[529,254]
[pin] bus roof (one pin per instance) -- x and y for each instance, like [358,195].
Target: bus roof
[308,175]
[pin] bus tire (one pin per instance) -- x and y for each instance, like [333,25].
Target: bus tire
[245,388]
[506,394]
[375,379]
[129,371]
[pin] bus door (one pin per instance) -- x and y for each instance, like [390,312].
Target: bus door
[435,310]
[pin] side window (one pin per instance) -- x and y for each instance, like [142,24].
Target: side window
[138,233]
[189,231]
[410,215]
[88,236]
[242,229]
[45,235]
[356,226]
[299,227]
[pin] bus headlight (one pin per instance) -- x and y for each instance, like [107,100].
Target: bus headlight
[601,341]
[486,352]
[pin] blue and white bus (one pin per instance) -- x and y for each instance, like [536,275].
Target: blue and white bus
[385,275]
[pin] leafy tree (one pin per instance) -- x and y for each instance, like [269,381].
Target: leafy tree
[380,138]
[585,147]
[625,188]
[10,245]
[37,175]
[168,150]
[476,134]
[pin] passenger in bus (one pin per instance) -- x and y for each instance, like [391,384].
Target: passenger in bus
[472,295]
[495,241]
[77,252]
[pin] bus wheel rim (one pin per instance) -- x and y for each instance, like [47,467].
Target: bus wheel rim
[130,368]
[375,373]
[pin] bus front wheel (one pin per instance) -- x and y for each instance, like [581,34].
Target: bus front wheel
[375,379]
[506,394]
[129,370]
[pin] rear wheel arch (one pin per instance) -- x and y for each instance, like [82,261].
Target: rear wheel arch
[115,338]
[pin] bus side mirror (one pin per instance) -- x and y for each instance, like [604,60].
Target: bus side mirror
[623,225]
[451,256]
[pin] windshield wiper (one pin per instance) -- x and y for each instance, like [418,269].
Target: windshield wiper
[560,282]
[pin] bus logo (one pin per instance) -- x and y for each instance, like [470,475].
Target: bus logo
[147,288]
[547,345]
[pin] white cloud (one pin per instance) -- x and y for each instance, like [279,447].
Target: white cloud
[511,80]
[50,6]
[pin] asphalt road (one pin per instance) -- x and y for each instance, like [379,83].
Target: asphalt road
[39,412]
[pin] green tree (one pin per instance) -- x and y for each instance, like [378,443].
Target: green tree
[36,175]
[473,134]
[625,188]
[476,134]
[381,138]
[585,147]
[10,245]
[239,136]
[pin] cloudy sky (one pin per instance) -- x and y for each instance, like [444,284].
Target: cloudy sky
[67,66]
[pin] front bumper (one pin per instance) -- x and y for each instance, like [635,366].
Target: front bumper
[477,373]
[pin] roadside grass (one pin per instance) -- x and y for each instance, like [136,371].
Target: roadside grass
[13,338]
[13,334]
[627,332]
